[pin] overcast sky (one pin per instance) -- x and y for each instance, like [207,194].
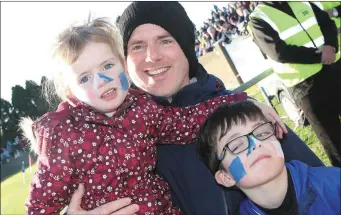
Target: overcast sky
[28,30]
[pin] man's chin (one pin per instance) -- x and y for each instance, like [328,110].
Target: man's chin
[161,93]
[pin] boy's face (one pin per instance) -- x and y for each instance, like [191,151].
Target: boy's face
[255,161]
[97,78]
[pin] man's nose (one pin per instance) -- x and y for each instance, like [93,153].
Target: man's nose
[153,54]
[101,79]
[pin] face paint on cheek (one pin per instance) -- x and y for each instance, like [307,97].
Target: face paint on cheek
[237,169]
[124,81]
[104,77]
[277,147]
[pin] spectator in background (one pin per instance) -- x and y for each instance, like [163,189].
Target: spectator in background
[243,13]
[207,42]
[197,49]
[223,32]
[10,148]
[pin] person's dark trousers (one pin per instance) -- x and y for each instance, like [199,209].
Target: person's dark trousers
[193,186]
[319,97]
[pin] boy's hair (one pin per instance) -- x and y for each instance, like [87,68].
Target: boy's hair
[219,123]
[71,42]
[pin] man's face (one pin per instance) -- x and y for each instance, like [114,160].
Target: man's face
[259,163]
[155,61]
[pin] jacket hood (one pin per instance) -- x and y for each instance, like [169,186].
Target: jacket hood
[25,126]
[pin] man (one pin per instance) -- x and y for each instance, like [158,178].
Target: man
[303,40]
[334,11]
[159,41]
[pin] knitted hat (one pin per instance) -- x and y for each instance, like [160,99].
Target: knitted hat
[171,16]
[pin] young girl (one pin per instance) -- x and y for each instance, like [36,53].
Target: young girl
[104,134]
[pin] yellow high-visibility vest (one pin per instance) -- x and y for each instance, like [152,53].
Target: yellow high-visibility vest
[303,31]
[330,5]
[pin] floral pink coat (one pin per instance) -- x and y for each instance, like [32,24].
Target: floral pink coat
[114,157]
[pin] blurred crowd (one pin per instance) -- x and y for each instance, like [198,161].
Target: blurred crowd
[12,150]
[223,24]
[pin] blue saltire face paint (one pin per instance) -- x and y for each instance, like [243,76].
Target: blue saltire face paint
[252,145]
[237,169]
[104,77]
[124,81]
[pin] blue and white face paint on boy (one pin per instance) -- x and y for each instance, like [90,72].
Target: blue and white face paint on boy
[240,164]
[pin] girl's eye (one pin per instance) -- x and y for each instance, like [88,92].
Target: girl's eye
[108,66]
[84,79]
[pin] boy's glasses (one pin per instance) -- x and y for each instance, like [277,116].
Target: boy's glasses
[240,144]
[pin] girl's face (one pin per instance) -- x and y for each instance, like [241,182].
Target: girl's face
[97,78]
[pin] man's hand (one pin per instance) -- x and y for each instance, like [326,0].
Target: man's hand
[328,54]
[118,207]
[330,13]
[273,117]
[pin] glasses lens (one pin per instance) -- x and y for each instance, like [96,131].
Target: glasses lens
[264,131]
[238,145]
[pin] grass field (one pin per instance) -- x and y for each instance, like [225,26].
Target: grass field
[14,192]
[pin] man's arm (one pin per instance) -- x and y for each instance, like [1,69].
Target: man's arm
[327,26]
[271,44]
[180,125]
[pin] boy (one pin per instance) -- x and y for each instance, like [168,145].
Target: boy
[240,148]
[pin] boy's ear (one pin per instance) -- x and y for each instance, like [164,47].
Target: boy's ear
[224,179]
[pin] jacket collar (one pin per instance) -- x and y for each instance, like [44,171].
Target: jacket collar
[199,90]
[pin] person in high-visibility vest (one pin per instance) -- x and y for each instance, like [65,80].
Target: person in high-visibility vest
[333,8]
[302,41]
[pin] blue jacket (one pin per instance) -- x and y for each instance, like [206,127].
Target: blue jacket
[193,186]
[317,190]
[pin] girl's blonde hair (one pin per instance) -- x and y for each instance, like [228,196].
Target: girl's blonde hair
[70,44]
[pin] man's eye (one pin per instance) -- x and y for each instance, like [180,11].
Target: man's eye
[137,47]
[166,42]
[84,79]
[108,66]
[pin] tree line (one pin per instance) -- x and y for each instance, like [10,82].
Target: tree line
[29,101]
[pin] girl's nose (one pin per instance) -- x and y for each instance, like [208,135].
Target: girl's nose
[102,79]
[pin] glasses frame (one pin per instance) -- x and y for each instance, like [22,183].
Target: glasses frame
[223,152]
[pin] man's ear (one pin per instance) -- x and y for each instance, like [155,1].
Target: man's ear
[224,179]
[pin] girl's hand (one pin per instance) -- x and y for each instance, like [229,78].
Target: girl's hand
[273,117]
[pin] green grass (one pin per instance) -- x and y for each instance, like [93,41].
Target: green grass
[305,133]
[14,192]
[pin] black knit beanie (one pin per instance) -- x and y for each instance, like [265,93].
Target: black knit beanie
[171,16]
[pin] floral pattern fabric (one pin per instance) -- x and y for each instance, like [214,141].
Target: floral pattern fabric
[114,157]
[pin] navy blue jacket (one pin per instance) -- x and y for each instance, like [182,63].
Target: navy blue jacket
[193,186]
[317,190]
